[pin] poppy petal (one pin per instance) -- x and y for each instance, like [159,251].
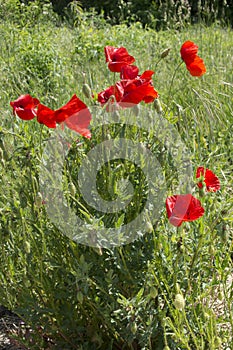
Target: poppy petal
[197,67]
[210,179]
[25,106]
[194,63]
[182,208]
[188,51]
[129,72]
[117,58]
[46,116]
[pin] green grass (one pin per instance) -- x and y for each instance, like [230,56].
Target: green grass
[78,297]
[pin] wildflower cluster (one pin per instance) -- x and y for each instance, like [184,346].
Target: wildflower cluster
[132,88]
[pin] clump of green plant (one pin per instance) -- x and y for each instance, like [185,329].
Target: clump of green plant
[158,291]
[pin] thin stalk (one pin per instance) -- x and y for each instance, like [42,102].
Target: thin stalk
[171,85]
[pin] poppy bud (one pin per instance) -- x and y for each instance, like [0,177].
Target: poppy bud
[201,192]
[166,347]
[221,295]
[38,200]
[134,328]
[87,91]
[157,106]
[165,53]
[27,247]
[179,302]
[149,227]
[80,297]
[153,292]
[2,160]
[72,189]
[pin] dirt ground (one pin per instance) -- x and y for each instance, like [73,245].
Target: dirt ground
[10,326]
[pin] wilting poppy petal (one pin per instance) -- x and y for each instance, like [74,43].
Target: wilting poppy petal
[46,116]
[211,180]
[82,131]
[117,58]
[25,107]
[182,208]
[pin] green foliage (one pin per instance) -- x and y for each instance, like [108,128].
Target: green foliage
[27,14]
[79,297]
[154,14]
[163,14]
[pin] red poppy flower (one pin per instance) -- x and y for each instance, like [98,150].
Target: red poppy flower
[129,72]
[25,107]
[46,116]
[74,114]
[73,106]
[128,92]
[138,90]
[193,62]
[117,58]
[79,122]
[197,67]
[115,90]
[210,179]
[183,207]
[188,51]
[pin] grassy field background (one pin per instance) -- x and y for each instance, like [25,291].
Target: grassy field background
[77,297]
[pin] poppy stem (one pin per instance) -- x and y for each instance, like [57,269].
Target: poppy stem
[40,141]
[171,84]
[157,62]
[196,254]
